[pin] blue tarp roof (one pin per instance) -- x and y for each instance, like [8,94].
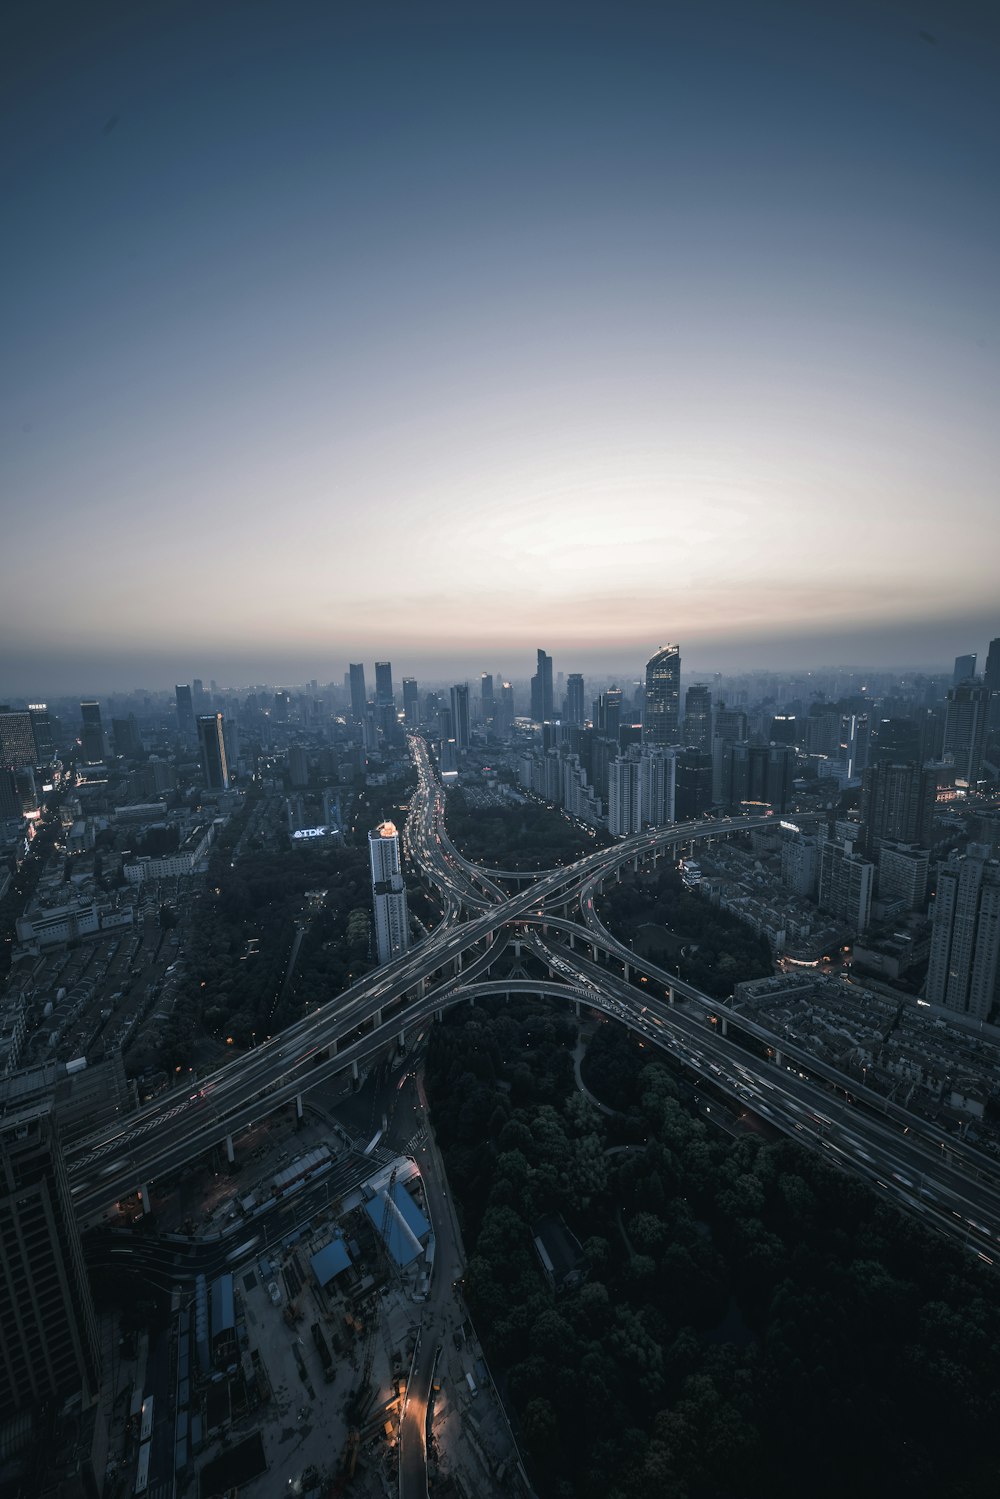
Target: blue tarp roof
[413,1217]
[223,1311]
[330,1261]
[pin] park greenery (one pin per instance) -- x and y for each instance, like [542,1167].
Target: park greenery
[684,932]
[752,1321]
[530,835]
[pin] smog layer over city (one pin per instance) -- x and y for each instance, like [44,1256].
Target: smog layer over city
[500,751]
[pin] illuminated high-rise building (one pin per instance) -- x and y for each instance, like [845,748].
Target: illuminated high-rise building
[392,923]
[698,717]
[660,723]
[384,697]
[964,963]
[965,728]
[486,699]
[214,758]
[17,739]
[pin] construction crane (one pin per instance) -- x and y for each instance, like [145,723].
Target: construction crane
[363,1395]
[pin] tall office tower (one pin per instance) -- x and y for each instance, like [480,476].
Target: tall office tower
[624,798]
[411,702]
[17,739]
[698,717]
[694,784]
[965,669]
[845,885]
[125,732]
[784,729]
[896,741]
[757,773]
[41,726]
[487,701]
[504,721]
[902,874]
[212,744]
[729,727]
[10,796]
[663,695]
[541,690]
[446,722]
[384,697]
[991,674]
[392,922]
[231,743]
[199,696]
[854,740]
[185,708]
[282,706]
[965,938]
[460,715]
[298,765]
[91,733]
[49,1349]
[657,784]
[574,698]
[359,698]
[897,803]
[608,713]
[966,716]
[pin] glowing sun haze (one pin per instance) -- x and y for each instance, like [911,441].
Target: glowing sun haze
[408,333]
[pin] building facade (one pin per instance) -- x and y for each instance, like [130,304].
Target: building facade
[392,921]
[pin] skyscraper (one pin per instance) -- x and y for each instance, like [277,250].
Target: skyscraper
[486,699]
[663,691]
[185,709]
[460,716]
[212,744]
[384,697]
[624,799]
[41,725]
[991,674]
[965,938]
[608,713]
[392,924]
[574,698]
[698,717]
[91,733]
[125,732]
[845,885]
[541,690]
[359,698]
[897,804]
[411,702]
[49,1348]
[965,669]
[17,739]
[693,795]
[965,728]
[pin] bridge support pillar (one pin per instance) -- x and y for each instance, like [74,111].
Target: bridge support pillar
[724,1023]
[671,997]
[402,1040]
[517,949]
[230,1151]
[438,1014]
[354,1070]
[635,864]
[144,1198]
[577,1008]
[378,1018]
[298,1107]
[422,987]
[572,943]
[628,974]
[779,1060]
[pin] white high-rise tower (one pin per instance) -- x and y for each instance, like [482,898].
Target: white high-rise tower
[392,921]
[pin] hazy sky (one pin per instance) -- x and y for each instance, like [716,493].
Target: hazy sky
[444,332]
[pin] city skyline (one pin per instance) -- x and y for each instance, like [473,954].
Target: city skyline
[567,326]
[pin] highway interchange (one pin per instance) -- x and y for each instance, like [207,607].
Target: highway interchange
[945,1182]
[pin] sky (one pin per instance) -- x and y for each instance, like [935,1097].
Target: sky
[443,332]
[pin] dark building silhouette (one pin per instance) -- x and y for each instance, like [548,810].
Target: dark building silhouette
[91,733]
[897,805]
[49,1347]
[541,690]
[359,699]
[185,709]
[693,785]
[214,758]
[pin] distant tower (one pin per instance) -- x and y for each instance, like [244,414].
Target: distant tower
[574,698]
[541,690]
[698,717]
[486,698]
[965,728]
[460,716]
[359,699]
[411,702]
[17,738]
[392,924]
[965,669]
[185,709]
[624,799]
[49,1349]
[212,743]
[663,692]
[92,735]
[383,685]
